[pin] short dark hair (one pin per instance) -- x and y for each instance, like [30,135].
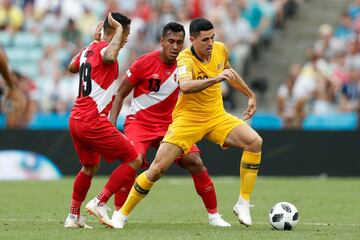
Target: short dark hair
[122,19]
[199,24]
[172,27]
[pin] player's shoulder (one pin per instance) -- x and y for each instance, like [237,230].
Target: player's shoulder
[185,55]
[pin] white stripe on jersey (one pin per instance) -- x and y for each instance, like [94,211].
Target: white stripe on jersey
[101,96]
[147,100]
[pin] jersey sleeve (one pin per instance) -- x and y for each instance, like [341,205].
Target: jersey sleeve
[132,74]
[185,68]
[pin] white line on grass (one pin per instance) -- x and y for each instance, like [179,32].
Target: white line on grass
[174,222]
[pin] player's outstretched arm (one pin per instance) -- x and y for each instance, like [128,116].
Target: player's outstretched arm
[123,91]
[110,53]
[187,85]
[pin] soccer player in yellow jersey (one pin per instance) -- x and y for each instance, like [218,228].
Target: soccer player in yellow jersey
[200,113]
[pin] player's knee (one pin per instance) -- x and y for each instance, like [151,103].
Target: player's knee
[155,172]
[136,163]
[90,170]
[255,145]
[192,163]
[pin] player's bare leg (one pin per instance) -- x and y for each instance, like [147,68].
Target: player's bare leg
[165,156]
[204,187]
[243,136]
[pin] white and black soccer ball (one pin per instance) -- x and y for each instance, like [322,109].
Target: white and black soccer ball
[283,216]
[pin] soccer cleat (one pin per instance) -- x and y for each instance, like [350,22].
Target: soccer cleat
[242,210]
[217,221]
[118,219]
[99,211]
[74,221]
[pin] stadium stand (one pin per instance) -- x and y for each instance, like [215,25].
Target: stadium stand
[51,32]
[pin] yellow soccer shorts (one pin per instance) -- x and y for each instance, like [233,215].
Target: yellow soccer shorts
[184,132]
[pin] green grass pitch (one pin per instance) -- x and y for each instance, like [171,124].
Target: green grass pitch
[328,207]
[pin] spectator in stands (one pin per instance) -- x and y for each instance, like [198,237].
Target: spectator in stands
[354,9]
[251,10]
[11,16]
[352,60]
[239,36]
[71,33]
[350,93]
[167,12]
[54,21]
[327,46]
[33,22]
[85,24]
[286,102]
[344,30]
[49,65]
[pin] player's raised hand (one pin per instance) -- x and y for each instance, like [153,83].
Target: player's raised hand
[97,33]
[251,108]
[113,23]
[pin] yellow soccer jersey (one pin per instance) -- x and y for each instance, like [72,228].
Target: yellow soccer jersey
[208,102]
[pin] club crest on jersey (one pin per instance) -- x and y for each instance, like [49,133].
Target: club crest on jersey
[220,66]
[128,73]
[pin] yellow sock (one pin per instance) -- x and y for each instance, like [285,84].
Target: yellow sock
[140,189]
[249,168]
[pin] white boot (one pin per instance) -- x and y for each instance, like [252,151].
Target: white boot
[99,211]
[217,221]
[118,219]
[75,221]
[242,210]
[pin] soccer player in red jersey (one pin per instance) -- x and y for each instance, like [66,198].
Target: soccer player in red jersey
[92,133]
[152,78]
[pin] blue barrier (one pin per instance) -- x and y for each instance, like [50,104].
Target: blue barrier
[49,121]
[266,121]
[260,121]
[54,121]
[335,121]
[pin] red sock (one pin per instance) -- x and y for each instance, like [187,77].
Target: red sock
[205,188]
[81,187]
[122,194]
[119,178]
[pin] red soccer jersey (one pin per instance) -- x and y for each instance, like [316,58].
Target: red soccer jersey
[156,90]
[97,83]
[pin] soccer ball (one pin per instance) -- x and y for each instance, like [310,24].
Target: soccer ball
[283,216]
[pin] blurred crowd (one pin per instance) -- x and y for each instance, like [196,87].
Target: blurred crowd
[41,36]
[329,82]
